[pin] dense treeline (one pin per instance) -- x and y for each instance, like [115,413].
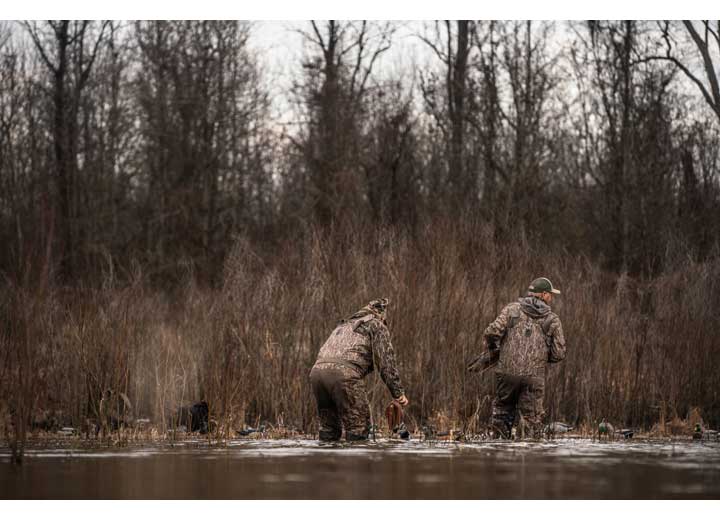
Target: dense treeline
[135,155]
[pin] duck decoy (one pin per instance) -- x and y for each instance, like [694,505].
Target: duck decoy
[710,434]
[606,429]
[627,433]
[449,435]
[697,433]
[247,431]
[556,428]
[400,430]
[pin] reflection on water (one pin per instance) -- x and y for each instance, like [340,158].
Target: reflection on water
[384,469]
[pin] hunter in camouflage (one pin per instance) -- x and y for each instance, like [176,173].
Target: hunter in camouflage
[357,346]
[528,336]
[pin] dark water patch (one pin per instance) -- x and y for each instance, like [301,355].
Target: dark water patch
[384,469]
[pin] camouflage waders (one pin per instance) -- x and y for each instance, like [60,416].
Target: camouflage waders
[522,395]
[341,401]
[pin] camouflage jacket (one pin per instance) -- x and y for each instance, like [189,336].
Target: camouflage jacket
[528,335]
[364,344]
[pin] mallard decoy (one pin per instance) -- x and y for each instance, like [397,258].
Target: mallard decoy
[710,434]
[697,433]
[556,428]
[606,429]
[449,435]
[247,431]
[428,433]
[401,431]
[627,433]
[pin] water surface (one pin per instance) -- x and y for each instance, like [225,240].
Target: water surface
[306,469]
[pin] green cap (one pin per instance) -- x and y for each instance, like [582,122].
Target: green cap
[541,285]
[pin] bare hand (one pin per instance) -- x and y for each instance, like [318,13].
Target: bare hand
[403,400]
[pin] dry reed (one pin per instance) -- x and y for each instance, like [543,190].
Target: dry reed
[640,352]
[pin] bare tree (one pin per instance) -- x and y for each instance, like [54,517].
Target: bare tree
[68,50]
[528,67]
[630,161]
[202,110]
[487,114]
[342,56]
[705,40]
[447,100]
[390,158]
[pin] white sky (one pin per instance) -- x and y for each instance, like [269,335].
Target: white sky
[280,47]
[363,9]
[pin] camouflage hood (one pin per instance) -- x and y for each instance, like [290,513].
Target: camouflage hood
[375,307]
[534,307]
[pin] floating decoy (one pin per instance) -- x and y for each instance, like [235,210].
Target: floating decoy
[247,431]
[606,429]
[625,432]
[449,435]
[428,433]
[555,428]
[710,434]
[697,433]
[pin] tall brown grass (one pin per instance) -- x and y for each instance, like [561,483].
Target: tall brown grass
[639,351]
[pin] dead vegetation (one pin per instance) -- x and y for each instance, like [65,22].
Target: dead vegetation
[641,353]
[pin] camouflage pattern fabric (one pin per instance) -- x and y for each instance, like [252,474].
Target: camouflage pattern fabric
[518,397]
[528,336]
[363,342]
[527,342]
[357,346]
[342,402]
[377,308]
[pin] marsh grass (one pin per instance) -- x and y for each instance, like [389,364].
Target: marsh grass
[640,352]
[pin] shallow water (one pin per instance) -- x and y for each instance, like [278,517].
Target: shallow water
[273,469]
